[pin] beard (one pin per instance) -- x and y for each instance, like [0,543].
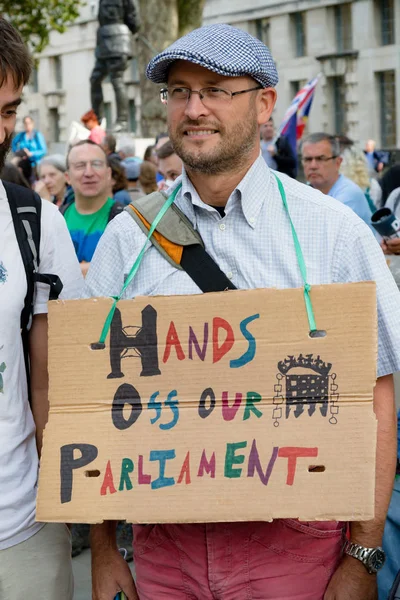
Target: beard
[228,155]
[4,150]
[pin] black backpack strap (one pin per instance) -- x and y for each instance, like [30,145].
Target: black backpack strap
[177,229]
[204,271]
[26,208]
[116,208]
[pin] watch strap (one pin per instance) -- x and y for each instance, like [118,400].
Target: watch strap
[357,551]
[361,553]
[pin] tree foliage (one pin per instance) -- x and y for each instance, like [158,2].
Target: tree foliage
[190,15]
[35,19]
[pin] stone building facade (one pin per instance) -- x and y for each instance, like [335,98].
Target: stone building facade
[354,45]
[59,92]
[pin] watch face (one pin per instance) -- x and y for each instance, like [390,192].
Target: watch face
[376,560]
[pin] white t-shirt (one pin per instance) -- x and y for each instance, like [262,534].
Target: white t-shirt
[393,202]
[18,454]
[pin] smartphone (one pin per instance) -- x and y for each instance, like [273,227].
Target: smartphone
[120,596]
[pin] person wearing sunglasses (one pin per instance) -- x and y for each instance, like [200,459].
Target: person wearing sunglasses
[320,155]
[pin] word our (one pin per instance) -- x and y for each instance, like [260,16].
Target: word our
[166,412]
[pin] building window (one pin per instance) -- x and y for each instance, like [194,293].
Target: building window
[93,7]
[295,86]
[386,13]
[56,68]
[35,81]
[339,109]
[262,30]
[299,27]
[387,93]
[132,116]
[108,114]
[344,40]
[54,124]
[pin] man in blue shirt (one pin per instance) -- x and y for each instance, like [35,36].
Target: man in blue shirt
[31,141]
[321,162]
[376,160]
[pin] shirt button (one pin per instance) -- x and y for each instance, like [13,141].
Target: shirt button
[229,275]
[252,220]
[222,226]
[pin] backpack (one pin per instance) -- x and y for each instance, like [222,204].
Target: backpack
[26,208]
[178,242]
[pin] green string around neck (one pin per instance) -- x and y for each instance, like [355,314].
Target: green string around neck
[301,262]
[169,201]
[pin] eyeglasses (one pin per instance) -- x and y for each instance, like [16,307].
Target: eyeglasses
[97,165]
[307,160]
[210,96]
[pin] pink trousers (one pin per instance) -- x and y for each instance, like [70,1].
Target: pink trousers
[282,560]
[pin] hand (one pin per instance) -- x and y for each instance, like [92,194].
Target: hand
[162,186]
[351,581]
[271,149]
[110,575]
[391,246]
[27,152]
[384,247]
[379,167]
[41,189]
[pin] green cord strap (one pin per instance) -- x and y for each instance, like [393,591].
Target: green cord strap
[137,262]
[300,259]
[163,210]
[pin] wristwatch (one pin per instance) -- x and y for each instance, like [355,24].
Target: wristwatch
[373,559]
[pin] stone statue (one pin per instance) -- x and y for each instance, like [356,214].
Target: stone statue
[118,19]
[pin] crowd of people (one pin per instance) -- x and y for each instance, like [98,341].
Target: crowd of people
[94,181]
[225,166]
[333,164]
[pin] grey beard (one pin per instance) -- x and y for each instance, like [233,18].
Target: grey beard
[228,157]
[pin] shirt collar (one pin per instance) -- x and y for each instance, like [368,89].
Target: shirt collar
[246,193]
[337,182]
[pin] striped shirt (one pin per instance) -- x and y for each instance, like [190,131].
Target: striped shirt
[254,247]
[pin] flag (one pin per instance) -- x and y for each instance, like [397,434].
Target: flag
[305,106]
[290,132]
[296,116]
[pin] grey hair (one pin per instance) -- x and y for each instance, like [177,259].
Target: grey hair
[315,138]
[128,149]
[57,161]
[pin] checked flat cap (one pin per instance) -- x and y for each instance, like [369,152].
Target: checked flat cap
[220,48]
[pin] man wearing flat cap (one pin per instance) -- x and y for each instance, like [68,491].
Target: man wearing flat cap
[219,88]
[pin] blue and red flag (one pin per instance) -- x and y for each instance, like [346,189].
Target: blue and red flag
[296,116]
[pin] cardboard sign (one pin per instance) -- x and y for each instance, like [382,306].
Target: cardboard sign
[216,407]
